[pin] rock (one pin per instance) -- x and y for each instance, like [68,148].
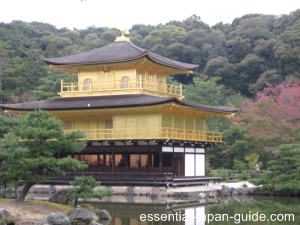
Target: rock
[202,195]
[226,191]
[31,223]
[51,190]
[9,192]
[95,223]
[80,214]
[6,217]
[41,189]
[103,214]
[236,192]
[259,191]
[4,213]
[129,191]
[212,194]
[62,197]
[58,218]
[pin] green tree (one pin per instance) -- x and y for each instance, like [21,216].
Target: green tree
[234,147]
[7,124]
[265,50]
[268,77]
[207,92]
[216,41]
[239,165]
[194,22]
[254,27]
[204,91]
[3,61]
[167,35]
[235,100]
[250,69]
[51,85]
[83,187]
[287,50]
[238,48]
[43,151]
[253,161]
[284,171]
[108,36]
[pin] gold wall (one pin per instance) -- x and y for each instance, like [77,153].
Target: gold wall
[145,125]
[114,75]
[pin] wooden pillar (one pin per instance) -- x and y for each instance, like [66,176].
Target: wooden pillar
[173,164]
[149,161]
[126,157]
[104,161]
[160,162]
[98,160]
[113,160]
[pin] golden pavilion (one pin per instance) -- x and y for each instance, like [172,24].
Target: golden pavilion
[139,131]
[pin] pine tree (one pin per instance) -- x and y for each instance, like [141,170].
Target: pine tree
[283,176]
[83,187]
[38,150]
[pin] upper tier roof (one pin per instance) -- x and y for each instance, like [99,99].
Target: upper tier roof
[119,51]
[102,102]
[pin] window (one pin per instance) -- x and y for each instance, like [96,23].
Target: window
[87,84]
[125,82]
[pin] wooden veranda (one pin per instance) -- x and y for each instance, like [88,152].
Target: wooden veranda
[136,179]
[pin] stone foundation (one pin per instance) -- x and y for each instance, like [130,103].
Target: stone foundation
[151,194]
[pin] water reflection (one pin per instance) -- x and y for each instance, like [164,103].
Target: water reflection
[243,211]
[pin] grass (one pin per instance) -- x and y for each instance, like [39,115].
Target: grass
[35,210]
[60,207]
[36,203]
[5,200]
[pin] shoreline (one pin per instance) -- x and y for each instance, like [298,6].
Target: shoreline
[150,194]
[171,197]
[31,210]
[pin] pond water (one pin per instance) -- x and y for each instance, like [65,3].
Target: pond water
[244,210]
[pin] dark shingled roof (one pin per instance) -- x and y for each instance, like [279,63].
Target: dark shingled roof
[104,102]
[122,51]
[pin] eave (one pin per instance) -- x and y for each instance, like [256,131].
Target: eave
[117,52]
[167,105]
[74,68]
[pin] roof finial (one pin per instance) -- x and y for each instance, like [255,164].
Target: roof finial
[122,37]
[124,31]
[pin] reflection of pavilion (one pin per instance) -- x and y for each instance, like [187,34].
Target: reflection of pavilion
[139,131]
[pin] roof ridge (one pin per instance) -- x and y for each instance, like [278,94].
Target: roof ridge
[137,47]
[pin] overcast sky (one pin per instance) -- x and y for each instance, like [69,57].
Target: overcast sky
[124,14]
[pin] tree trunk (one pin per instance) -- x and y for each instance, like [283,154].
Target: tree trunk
[75,202]
[22,195]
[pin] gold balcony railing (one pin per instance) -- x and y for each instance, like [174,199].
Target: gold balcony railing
[151,134]
[101,87]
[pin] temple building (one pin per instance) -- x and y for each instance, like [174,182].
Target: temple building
[139,131]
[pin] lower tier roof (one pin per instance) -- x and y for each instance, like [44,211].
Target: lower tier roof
[105,102]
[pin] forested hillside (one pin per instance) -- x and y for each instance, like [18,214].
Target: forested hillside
[244,55]
[253,62]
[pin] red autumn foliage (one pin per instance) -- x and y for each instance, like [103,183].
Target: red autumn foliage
[286,96]
[274,114]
